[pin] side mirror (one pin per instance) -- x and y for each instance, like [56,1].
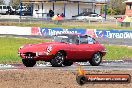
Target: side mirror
[77,42]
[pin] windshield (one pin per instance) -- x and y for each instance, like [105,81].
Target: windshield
[73,39]
[64,39]
[86,40]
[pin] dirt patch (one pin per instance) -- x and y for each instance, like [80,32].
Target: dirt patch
[44,78]
[7,23]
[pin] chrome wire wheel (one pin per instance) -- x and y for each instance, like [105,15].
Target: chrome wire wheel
[97,57]
[58,60]
[96,60]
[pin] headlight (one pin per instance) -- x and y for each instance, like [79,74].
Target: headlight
[21,47]
[105,50]
[49,49]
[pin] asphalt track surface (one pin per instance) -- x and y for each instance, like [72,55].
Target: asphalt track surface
[86,66]
[105,65]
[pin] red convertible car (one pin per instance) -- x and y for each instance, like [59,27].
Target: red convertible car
[63,51]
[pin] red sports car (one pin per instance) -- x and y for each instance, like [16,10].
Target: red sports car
[63,51]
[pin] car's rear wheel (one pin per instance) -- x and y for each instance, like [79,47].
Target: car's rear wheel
[28,62]
[67,63]
[96,60]
[58,60]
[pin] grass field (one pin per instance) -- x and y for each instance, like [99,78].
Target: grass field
[118,52]
[10,45]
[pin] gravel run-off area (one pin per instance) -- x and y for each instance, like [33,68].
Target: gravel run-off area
[52,78]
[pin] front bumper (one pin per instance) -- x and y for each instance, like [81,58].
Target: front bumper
[37,56]
[104,52]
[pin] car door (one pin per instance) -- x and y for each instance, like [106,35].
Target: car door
[72,50]
[85,49]
[77,51]
[92,47]
[81,47]
[81,51]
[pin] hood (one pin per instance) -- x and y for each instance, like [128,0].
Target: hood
[46,44]
[38,47]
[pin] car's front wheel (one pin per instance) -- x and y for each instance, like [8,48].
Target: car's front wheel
[58,60]
[96,59]
[28,63]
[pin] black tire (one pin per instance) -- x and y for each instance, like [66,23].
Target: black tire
[28,63]
[96,60]
[67,63]
[58,60]
[81,80]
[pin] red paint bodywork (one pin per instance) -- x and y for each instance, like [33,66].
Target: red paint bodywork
[74,52]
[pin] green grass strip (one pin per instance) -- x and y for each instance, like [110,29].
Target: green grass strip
[9,48]
[118,52]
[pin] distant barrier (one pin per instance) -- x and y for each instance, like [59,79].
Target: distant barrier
[122,34]
[96,33]
[15,30]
